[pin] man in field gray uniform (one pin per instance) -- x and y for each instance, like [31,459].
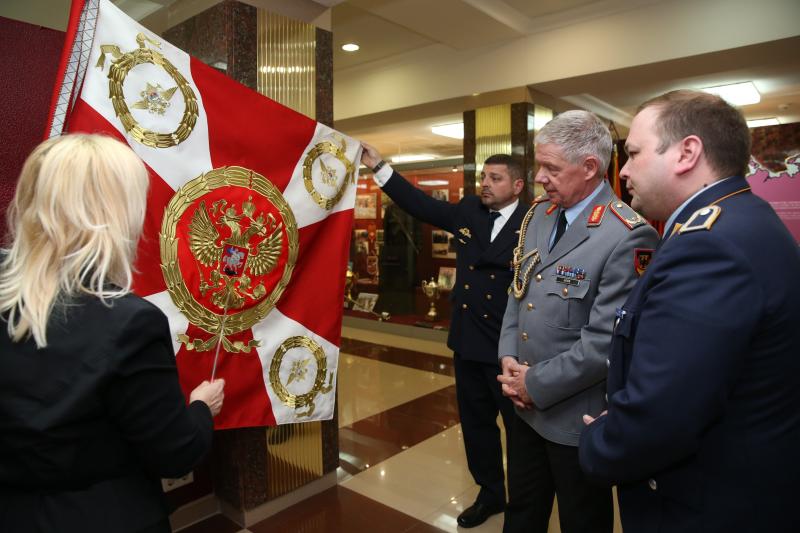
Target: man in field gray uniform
[578,257]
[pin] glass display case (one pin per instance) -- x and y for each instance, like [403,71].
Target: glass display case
[392,253]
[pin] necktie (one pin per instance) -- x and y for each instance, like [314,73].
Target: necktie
[492,217]
[560,228]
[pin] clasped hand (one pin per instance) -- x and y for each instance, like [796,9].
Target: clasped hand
[513,382]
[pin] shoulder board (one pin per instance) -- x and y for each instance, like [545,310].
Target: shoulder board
[550,209]
[702,219]
[626,214]
[596,216]
[539,199]
[536,201]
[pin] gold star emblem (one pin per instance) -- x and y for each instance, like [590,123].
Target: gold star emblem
[155,99]
[298,371]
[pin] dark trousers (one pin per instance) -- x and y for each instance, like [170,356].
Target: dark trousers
[479,401]
[542,470]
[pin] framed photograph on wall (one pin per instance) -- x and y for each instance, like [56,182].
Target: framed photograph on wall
[365,302]
[447,278]
[366,206]
[440,245]
[441,194]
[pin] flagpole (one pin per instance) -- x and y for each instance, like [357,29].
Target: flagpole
[219,338]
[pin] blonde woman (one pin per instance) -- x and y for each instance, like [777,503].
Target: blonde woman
[91,412]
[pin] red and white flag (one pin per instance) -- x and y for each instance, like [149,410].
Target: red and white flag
[250,211]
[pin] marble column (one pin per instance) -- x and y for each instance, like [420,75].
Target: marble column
[499,129]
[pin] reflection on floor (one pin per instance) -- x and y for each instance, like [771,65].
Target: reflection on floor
[402,464]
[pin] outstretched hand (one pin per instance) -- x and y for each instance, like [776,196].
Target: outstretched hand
[369,155]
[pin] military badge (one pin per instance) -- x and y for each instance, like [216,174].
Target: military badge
[641,258]
[597,216]
[702,219]
[568,275]
[229,244]
[550,209]
[626,215]
[465,232]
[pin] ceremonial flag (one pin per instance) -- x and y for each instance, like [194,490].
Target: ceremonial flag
[250,211]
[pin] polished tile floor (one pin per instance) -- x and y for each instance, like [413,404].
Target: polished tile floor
[402,465]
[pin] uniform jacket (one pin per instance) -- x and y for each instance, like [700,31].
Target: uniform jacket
[563,330]
[90,423]
[483,272]
[703,427]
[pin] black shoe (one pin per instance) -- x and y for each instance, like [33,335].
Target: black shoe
[477,514]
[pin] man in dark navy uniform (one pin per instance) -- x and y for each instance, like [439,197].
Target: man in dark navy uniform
[703,424]
[486,228]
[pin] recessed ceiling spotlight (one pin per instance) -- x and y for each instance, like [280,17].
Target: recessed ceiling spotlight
[350,47]
[737,94]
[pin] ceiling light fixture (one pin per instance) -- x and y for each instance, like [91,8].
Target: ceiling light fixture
[433,183]
[454,131]
[410,158]
[758,122]
[350,47]
[737,94]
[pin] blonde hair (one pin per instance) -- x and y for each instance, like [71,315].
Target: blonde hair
[74,225]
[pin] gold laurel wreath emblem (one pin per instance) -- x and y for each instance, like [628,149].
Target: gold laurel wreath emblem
[339,152]
[323,380]
[229,323]
[122,65]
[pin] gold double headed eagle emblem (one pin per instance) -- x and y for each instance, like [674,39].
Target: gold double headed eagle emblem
[229,239]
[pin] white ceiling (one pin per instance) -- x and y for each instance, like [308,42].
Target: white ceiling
[386,29]
[389,30]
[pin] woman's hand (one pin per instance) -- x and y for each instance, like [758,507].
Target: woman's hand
[211,393]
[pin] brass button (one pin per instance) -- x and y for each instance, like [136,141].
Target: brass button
[488,296]
[530,306]
[652,484]
[466,285]
[524,336]
[472,267]
[485,316]
[538,277]
[463,306]
[491,276]
[565,291]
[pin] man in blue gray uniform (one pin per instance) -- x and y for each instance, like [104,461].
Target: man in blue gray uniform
[575,263]
[485,229]
[703,424]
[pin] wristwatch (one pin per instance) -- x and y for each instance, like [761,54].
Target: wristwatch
[379,166]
